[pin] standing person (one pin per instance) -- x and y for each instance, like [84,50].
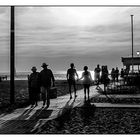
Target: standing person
[46,81]
[113,74]
[105,79]
[122,73]
[102,74]
[34,86]
[117,73]
[97,75]
[87,79]
[71,73]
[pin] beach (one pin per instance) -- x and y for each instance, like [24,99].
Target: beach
[87,119]
[92,120]
[22,95]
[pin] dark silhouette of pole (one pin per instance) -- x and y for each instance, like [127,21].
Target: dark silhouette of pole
[132,41]
[12,57]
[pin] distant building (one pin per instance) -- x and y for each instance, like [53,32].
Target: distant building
[129,61]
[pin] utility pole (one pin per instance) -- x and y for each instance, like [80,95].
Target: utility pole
[132,41]
[12,56]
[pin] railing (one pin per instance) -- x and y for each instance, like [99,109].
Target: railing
[129,84]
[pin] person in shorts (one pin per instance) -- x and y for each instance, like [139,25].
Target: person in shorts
[71,78]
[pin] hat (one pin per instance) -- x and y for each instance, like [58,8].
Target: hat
[34,68]
[44,65]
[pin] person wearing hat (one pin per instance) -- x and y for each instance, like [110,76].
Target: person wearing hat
[34,86]
[71,73]
[46,81]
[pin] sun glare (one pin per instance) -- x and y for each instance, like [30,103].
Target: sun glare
[81,16]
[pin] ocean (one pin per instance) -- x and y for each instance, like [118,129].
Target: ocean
[59,75]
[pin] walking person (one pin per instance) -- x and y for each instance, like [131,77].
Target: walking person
[87,79]
[117,74]
[46,81]
[97,75]
[34,86]
[71,78]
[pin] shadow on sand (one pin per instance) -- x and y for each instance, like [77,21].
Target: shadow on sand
[25,122]
[32,119]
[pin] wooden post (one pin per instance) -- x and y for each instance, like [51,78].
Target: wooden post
[132,41]
[12,57]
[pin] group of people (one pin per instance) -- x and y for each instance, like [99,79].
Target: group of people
[115,74]
[42,81]
[71,78]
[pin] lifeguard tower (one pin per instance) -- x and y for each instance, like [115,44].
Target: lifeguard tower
[129,61]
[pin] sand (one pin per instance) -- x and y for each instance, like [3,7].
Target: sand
[92,120]
[84,120]
[22,96]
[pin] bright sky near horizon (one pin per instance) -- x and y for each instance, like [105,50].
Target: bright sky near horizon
[61,35]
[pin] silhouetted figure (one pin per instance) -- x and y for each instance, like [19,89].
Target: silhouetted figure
[34,86]
[102,74]
[71,73]
[117,74]
[97,75]
[126,73]
[87,79]
[113,74]
[122,73]
[46,81]
[104,78]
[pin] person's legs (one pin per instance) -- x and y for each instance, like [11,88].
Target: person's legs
[70,89]
[48,96]
[117,78]
[74,86]
[97,84]
[85,92]
[88,86]
[43,92]
[32,101]
[37,96]
[98,81]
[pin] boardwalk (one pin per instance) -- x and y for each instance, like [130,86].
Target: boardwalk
[28,120]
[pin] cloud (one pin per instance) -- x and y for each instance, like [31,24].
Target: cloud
[71,33]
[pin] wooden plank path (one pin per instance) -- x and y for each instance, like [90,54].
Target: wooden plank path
[27,120]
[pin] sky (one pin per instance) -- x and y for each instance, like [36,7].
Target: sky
[62,35]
